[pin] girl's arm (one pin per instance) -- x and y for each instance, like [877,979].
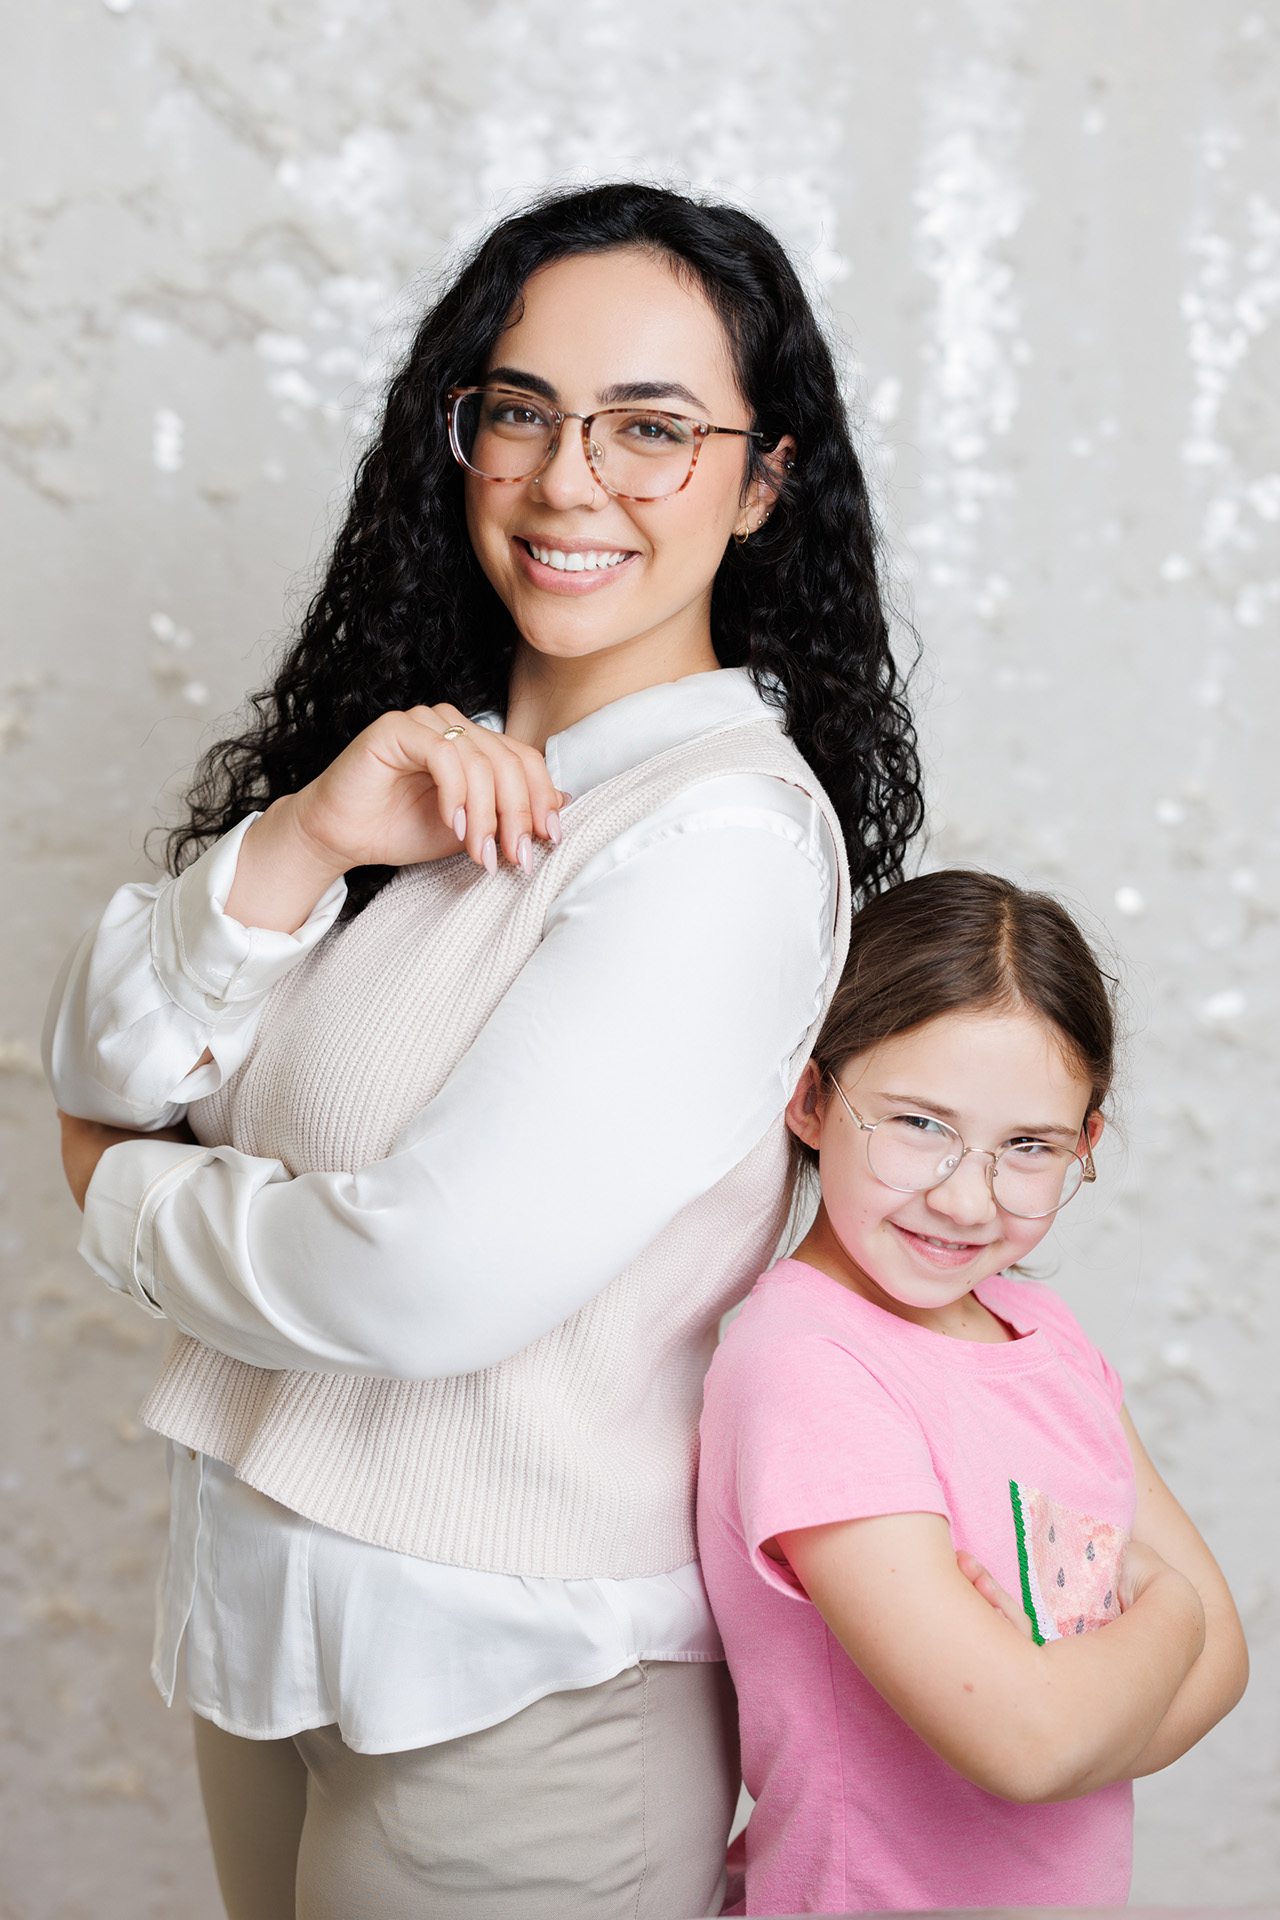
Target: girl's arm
[1218,1678]
[1031,1724]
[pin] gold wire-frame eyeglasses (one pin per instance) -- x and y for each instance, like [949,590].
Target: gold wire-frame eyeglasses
[699,431]
[1088,1172]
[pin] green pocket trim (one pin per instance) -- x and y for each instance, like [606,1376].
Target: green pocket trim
[1024,1568]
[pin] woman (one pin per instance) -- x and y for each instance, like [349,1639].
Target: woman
[512,918]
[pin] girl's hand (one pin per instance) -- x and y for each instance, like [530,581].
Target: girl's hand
[1140,1565]
[400,793]
[992,1592]
[85,1141]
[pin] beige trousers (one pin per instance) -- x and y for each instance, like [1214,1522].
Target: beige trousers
[608,1803]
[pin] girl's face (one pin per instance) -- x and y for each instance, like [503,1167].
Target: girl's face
[992,1076]
[598,330]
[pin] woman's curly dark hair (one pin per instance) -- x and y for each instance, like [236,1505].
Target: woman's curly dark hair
[406,616]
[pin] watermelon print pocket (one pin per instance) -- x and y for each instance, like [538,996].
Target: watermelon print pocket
[1068,1562]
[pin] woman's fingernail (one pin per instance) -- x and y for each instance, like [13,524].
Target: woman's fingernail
[489,855]
[524,853]
[460,823]
[554,834]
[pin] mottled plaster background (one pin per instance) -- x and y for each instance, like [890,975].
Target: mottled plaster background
[1049,239]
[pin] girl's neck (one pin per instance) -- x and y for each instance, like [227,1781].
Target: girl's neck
[962,1319]
[547,693]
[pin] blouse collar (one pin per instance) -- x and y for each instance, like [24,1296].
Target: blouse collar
[627,731]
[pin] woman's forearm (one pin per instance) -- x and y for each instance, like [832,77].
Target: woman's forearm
[511,1199]
[281,873]
[159,1002]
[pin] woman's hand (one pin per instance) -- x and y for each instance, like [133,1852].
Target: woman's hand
[85,1141]
[400,793]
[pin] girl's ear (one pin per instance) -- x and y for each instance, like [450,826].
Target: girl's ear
[804,1108]
[1093,1128]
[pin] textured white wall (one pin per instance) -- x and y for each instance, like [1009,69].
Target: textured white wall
[1050,239]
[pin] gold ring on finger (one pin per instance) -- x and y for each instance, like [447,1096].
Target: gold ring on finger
[453,733]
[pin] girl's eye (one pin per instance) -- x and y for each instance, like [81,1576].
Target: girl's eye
[1030,1153]
[918,1126]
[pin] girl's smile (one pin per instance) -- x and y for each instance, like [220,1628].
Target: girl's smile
[993,1076]
[946,1255]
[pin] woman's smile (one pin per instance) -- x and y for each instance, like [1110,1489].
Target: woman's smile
[563,565]
[558,547]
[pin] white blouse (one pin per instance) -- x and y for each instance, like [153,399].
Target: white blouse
[574,1130]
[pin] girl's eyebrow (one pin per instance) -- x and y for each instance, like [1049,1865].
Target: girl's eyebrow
[611,396]
[901,1102]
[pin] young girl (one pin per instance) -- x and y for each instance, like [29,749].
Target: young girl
[898,1429]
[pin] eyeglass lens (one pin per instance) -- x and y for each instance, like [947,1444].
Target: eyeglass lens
[912,1153]
[634,451]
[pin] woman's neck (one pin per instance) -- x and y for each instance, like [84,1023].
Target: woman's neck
[546,694]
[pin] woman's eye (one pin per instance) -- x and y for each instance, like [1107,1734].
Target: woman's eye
[511,415]
[652,429]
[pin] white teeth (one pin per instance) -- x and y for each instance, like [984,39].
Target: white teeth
[574,562]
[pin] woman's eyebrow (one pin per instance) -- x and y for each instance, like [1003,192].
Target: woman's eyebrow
[616,395]
[527,382]
[650,390]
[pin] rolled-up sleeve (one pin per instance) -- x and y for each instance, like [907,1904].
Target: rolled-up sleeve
[162,978]
[642,1051]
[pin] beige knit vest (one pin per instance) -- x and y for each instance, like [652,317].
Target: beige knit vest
[575,1457]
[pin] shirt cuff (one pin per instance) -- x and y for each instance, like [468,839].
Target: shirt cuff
[128,1184]
[211,966]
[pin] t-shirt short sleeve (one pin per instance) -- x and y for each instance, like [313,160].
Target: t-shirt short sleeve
[821,1439]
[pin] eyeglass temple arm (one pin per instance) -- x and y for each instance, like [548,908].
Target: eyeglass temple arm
[1090,1171]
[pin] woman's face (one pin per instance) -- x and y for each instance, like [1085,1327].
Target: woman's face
[597,330]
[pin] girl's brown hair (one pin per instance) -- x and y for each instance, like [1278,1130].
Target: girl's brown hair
[958,942]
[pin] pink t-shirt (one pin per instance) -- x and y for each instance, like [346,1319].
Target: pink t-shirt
[819,1407]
